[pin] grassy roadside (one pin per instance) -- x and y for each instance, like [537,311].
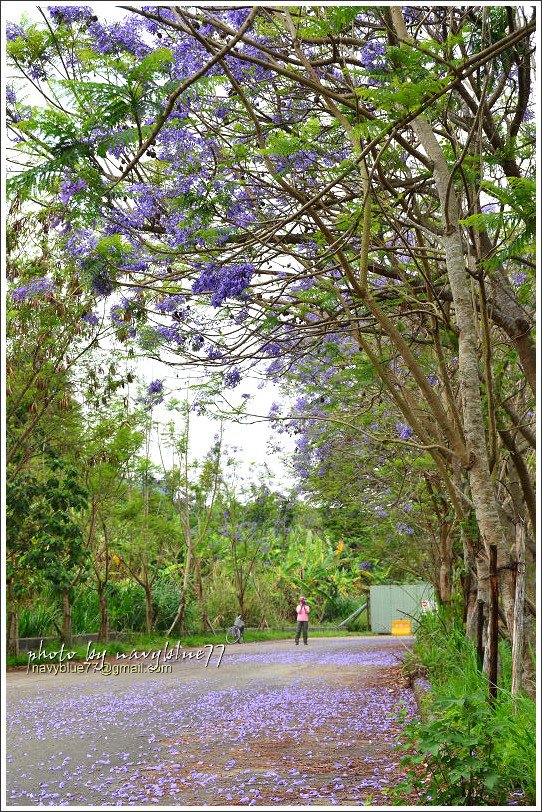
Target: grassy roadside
[464,751]
[142,642]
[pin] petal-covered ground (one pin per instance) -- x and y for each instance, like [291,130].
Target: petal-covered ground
[274,724]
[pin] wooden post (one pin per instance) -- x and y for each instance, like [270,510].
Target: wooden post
[519,605]
[480,633]
[493,636]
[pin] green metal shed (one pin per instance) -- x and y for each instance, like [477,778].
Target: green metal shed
[396,601]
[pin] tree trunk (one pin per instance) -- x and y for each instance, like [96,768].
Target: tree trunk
[148,609]
[470,587]
[103,634]
[199,593]
[66,619]
[476,461]
[480,633]
[179,620]
[12,646]
[445,563]
[519,608]
[493,631]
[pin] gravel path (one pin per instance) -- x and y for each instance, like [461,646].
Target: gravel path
[273,724]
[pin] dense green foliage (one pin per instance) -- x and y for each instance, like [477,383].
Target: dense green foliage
[465,750]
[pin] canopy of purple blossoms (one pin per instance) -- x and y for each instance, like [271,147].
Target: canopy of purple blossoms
[223,282]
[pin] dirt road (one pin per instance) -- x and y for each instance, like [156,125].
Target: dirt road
[273,724]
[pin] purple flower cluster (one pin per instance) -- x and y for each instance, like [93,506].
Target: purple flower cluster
[518,278]
[91,318]
[13,31]
[155,388]
[272,349]
[117,314]
[404,431]
[102,284]
[214,354]
[69,14]
[232,378]
[36,287]
[223,282]
[170,334]
[154,394]
[372,54]
[70,187]
[171,304]
[81,243]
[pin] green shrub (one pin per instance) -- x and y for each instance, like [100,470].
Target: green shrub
[37,621]
[165,598]
[474,753]
[86,612]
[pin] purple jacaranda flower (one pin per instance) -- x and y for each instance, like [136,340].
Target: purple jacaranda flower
[232,378]
[70,187]
[91,318]
[223,282]
[102,284]
[518,278]
[37,287]
[13,31]
[69,14]
[155,388]
[403,431]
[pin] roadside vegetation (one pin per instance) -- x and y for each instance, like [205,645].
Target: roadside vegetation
[463,749]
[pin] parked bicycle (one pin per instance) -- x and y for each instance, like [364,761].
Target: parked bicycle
[235,633]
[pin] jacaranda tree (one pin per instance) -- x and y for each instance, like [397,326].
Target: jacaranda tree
[266,183]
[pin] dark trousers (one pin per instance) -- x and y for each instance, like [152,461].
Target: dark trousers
[302,626]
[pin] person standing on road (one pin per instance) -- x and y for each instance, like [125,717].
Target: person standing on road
[302,610]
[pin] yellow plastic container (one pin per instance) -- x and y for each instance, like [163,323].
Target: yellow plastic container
[401,627]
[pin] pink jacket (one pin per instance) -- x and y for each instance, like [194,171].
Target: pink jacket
[302,612]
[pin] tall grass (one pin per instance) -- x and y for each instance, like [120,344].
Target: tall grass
[466,751]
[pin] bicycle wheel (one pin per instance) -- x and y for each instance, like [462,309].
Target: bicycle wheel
[233,635]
